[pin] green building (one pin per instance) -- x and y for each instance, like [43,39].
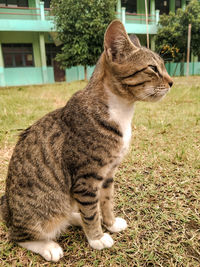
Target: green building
[27,48]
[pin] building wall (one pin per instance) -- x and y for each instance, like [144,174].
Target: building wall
[27,75]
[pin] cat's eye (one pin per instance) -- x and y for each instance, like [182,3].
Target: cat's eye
[154,68]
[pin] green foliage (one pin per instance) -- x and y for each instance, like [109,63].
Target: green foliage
[81,26]
[171,39]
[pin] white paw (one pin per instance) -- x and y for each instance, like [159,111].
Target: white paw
[105,242]
[118,226]
[49,250]
[52,252]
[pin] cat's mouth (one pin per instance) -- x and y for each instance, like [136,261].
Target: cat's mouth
[158,94]
[153,94]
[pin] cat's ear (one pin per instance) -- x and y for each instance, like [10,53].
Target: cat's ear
[116,41]
[135,40]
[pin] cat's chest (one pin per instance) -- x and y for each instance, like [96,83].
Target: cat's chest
[122,113]
[125,127]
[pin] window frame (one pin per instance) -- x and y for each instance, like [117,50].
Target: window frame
[13,54]
[176,4]
[7,4]
[51,51]
[164,9]
[129,5]
[47,3]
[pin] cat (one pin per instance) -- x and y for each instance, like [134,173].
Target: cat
[62,168]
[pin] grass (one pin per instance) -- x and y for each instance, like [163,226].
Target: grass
[157,185]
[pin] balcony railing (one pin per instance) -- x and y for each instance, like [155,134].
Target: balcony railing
[41,13]
[140,18]
[41,19]
[25,13]
[26,19]
[135,18]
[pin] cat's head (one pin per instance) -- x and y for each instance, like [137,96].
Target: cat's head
[135,72]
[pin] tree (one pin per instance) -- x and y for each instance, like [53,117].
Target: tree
[171,38]
[81,26]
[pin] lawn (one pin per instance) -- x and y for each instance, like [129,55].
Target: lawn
[157,185]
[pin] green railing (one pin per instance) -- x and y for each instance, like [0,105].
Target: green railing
[25,13]
[135,18]
[174,69]
[179,69]
[29,19]
[140,18]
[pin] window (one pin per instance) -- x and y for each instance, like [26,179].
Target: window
[163,6]
[177,4]
[14,3]
[47,3]
[18,55]
[130,5]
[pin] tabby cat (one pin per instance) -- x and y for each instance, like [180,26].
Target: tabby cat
[62,168]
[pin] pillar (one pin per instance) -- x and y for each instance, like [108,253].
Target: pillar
[157,16]
[140,7]
[42,11]
[124,15]
[38,11]
[172,5]
[31,3]
[36,50]
[37,3]
[141,10]
[2,77]
[119,9]
[183,4]
[43,57]
[152,7]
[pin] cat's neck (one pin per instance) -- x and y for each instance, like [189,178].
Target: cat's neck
[120,109]
[102,86]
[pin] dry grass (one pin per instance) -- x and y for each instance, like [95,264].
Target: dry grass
[157,186]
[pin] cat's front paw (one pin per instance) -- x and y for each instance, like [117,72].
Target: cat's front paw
[52,252]
[118,226]
[105,242]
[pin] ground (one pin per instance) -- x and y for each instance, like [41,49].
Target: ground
[157,185]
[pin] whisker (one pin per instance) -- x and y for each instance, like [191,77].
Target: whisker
[145,95]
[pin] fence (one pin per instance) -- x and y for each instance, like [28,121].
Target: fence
[179,69]
[174,69]
[140,18]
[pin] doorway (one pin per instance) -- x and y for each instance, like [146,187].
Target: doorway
[59,74]
[51,51]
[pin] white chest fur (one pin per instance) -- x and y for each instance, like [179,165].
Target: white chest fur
[121,111]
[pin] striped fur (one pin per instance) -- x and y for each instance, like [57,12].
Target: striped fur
[62,168]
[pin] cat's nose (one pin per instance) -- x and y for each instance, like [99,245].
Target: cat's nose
[168,79]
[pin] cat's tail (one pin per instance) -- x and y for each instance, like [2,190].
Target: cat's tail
[4,210]
[1,207]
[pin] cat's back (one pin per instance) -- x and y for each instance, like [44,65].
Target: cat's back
[36,156]
[46,134]
[39,150]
